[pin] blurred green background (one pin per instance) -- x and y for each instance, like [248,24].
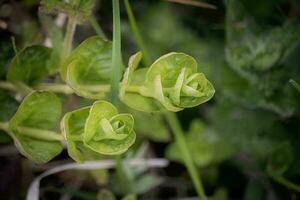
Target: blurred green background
[245,142]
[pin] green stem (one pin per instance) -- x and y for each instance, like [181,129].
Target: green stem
[67,46]
[180,139]
[54,87]
[40,134]
[116,53]
[4,126]
[285,182]
[136,33]
[97,27]
[33,132]
[7,86]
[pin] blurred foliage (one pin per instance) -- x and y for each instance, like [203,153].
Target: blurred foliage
[207,148]
[134,179]
[8,107]
[248,134]
[80,9]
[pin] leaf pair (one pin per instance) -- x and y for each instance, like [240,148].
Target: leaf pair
[171,82]
[97,129]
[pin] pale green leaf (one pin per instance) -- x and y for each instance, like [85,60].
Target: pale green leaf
[38,111]
[88,67]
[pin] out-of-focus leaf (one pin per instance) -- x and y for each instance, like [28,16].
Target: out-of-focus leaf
[280,159]
[88,67]
[29,32]
[220,194]
[264,51]
[7,53]
[254,190]
[81,9]
[205,146]
[254,131]
[151,125]
[146,183]
[130,197]
[39,111]
[250,49]
[8,106]
[137,180]
[29,65]
[267,92]
[105,195]
[101,176]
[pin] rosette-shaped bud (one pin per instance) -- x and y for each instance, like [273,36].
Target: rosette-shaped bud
[171,82]
[98,129]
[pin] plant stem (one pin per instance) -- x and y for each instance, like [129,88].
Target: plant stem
[54,87]
[4,126]
[33,132]
[96,27]
[180,139]
[136,33]
[116,53]
[67,46]
[7,86]
[286,182]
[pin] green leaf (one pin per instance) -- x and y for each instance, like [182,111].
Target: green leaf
[206,147]
[108,132]
[38,113]
[72,126]
[170,83]
[81,9]
[88,68]
[29,65]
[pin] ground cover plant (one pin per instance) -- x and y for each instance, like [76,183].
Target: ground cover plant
[149,99]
